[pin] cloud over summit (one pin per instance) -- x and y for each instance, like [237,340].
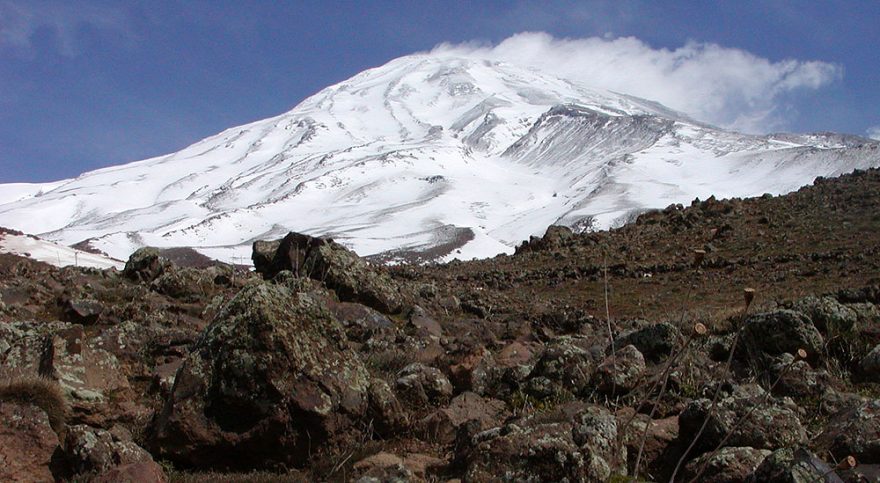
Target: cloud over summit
[726,86]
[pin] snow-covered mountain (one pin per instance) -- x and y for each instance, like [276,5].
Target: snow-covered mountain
[451,157]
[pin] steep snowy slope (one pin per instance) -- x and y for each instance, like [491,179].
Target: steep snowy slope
[449,156]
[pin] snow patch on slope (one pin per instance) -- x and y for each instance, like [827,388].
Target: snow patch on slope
[53,253]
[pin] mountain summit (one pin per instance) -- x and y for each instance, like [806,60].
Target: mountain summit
[426,157]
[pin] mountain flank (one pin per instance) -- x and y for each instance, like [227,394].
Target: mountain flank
[727,340]
[429,157]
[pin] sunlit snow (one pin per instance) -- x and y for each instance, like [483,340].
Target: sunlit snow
[393,157]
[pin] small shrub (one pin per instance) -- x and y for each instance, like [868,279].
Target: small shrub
[388,362]
[44,393]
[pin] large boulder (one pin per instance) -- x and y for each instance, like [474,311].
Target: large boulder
[421,384]
[728,465]
[564,367]
[27,443]
[91,377]
[854,432]
[778,332]
[443,424]
[93,451]
[657,438]
[145,265]
[827,314]
[753,418]
[619,373]
[575,442]
[654,341]
[271,379]
[351,277]
[792,465]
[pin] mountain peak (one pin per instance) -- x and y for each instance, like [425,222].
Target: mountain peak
[428,153]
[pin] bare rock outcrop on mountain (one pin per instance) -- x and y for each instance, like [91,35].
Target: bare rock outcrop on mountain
[270,379]
[341,270]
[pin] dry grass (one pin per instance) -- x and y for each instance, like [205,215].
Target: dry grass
[44,393]
[252,477]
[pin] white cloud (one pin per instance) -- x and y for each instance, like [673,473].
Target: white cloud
[21,21]
[874,132]
[721,85]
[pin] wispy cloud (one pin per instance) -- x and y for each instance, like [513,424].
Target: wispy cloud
[21,21]
[874,132]
[725,86]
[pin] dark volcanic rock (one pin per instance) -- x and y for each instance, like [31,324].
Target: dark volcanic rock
[27,443]
[97,451]
[573,443]
[827,313]
[854,432]
[775,333]
[753,420]
[270,380]
[619,373]
[422,384]
[791,465]
[144,265]
[351,277]
[82,311]
[564,366]
[443,424]
[870,365]
[728,465]
[654,341]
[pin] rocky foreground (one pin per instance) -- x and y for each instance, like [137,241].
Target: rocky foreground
[728,341]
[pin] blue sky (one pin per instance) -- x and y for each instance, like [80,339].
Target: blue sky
[90,84]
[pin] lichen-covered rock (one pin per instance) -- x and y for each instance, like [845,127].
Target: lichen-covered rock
[790,465]
[654,341]
[827,313]
[97,451]
[183,283]
[422,384]
[854,432]
[361,323]
[145,265]
[495,375]
[392,468]
[796,378]
[564,367]
[442,425]
[263,255]
[574,443]
[270,379]
[620,373]
[661,448]
[21,346]
[90,376]
[775,333]
[27,443]
[771,423]
[728,465]
[351,277]
[82,310]
[385,409]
